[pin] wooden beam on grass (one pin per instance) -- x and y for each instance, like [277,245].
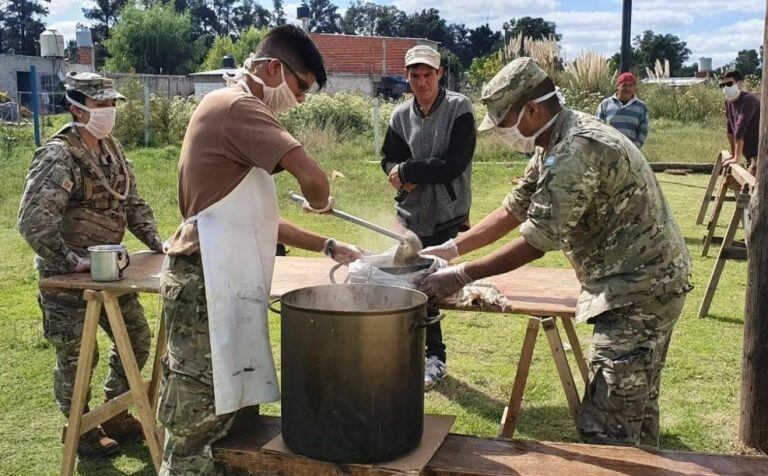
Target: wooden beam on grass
[753,428]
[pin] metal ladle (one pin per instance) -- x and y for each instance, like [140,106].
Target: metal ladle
[410,245]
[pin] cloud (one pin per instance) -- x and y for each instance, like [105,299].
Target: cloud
[724,43]
[68,8]
[698,7]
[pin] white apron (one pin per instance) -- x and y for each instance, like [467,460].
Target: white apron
[238,238]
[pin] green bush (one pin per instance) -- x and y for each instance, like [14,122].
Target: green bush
[238,50]
[690,104]
[343,113]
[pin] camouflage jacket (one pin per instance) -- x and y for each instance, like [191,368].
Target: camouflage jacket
[593,195]
[73,199]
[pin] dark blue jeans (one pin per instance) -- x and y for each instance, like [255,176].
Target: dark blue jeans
[435,346]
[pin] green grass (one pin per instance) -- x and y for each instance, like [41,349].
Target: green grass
[700,389]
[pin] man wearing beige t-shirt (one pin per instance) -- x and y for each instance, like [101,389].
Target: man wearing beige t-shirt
[219,358]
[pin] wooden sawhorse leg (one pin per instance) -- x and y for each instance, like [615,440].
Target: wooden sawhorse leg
[512,412]
[725,184]
[717,168]
[742,202]
[138,394]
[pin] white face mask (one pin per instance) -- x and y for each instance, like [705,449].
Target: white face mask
[279,98]
[731,92]
[515,139]
[101,120]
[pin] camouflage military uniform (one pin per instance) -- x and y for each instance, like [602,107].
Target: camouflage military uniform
[187,408]
[65,208]
[592,194]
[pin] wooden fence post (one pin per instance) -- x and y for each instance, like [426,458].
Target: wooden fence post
[753,428]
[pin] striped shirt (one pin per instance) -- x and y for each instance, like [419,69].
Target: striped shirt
[630,118]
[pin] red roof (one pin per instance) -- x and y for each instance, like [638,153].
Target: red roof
[364,54]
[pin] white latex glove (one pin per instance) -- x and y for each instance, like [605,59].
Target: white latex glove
[83,265]
[308,208]
[448,250]
[341,252]
[445,282]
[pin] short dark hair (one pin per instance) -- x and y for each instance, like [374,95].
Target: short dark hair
[292,45]
[733,74]
[545,87]
[76,96]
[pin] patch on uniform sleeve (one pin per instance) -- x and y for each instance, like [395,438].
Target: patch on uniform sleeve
[67,184]
[550,161]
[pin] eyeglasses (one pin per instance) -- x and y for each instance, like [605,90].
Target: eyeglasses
[729,83]
[303,87]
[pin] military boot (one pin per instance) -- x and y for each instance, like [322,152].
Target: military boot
[94,443]
[123,427]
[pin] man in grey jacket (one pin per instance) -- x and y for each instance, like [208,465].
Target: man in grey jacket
[427,155]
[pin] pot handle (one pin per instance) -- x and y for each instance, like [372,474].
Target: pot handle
[127,262]
[429,321]
[271,306]
[332,272]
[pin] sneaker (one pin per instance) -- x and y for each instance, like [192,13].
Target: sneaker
[434,371]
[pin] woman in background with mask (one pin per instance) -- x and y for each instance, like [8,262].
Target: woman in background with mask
[742,120]
[80,192]
[589,192]
[218,272]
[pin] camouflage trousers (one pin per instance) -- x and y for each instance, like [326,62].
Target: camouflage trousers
[628,351]
[63,321]
[186,406]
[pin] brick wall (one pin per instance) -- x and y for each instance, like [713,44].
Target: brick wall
[365,54]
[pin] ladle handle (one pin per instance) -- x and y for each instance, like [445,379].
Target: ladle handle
[295,197]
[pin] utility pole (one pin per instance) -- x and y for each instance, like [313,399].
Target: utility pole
[626,34]
[753,427]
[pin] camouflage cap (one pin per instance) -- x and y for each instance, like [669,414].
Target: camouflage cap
[514,80]
[93,85]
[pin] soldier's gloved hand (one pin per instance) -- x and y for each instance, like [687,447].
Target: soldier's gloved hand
[448,250]
[341,252]
[327,208]
[83,265]
[445,282]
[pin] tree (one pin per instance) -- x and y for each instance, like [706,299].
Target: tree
[531,27]
[250,14]
[323,17]
[483,40]
[22,26]
[649,47]
[367,18]
[278,13]
[453,70]
[239,50]
[157,40]
[105,13]
[428,24]
[747,62]
[224,16]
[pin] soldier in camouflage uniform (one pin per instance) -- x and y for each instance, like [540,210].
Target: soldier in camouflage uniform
[81,191]
[589,192]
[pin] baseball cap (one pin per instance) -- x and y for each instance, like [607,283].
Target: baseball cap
[515,80]
[93,85]
[626,78]
[422,54]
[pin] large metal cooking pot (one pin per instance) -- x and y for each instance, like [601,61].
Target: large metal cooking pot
[353,371]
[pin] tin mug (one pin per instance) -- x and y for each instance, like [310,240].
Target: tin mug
[108,262]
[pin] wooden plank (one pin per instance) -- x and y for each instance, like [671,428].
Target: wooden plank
[578,355]
[530,290]
[741,176]
[82,381]
[157,365]
[96,417]
[469,455]
[708,197]
[512,412]
[133,374]
[143,275]
[563,369]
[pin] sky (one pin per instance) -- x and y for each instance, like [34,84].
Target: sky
[714,29]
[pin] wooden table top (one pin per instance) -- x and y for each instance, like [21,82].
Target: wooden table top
[530,290]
